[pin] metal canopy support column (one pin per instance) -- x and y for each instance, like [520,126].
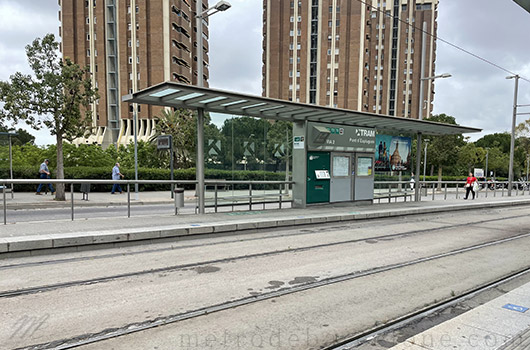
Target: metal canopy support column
[200,159]
[418,165]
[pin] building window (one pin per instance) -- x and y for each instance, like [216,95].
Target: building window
[88,37]
[88,53]
[129,26]
[291,33]
[87,20]
[298,46]
[130,60]
[129,43]
[128,9]
[299,18]
[374,14]
[292,19]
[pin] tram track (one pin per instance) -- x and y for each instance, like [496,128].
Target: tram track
[172,268]
[314,230]
[166,320]
[360,338]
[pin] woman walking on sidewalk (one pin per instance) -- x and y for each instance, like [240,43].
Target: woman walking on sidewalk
[470,182]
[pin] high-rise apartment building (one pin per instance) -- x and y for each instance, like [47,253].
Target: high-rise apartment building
[130,45]
[356,54]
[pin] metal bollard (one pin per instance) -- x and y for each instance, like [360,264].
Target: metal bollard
[179,199]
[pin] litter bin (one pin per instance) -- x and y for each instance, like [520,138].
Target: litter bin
[179,199]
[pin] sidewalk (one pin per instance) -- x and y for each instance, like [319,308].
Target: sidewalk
[26,237]
[503,323]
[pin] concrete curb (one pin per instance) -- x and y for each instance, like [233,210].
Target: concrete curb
[79,239]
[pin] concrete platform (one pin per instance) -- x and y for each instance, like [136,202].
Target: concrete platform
[28,238]
[503,323]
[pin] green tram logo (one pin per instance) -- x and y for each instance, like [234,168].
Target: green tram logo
[336,131]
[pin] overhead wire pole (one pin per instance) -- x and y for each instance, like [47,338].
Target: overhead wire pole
[512,139]
[420,112]
[199,165]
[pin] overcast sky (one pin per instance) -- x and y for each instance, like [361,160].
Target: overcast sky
[477,94]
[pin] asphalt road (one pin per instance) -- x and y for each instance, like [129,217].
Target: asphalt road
[297,288]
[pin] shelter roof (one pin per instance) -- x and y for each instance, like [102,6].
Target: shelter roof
[170,94]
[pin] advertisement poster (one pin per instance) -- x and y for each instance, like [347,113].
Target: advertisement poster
[392,153]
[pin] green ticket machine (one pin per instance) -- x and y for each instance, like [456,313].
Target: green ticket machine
[318,177]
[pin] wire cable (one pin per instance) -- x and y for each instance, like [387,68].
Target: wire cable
[445,41]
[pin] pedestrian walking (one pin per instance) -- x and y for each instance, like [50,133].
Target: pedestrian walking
[116,175]
[470,183]
[44,173]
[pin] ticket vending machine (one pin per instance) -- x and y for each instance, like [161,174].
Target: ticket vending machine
[318,177]
[332,163]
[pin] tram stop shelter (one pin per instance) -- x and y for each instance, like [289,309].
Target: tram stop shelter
[333,148]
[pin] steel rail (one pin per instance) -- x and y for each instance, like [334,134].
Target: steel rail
[161,321]
[50,287]
[360,338]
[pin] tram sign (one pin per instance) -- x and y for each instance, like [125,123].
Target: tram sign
[163,142]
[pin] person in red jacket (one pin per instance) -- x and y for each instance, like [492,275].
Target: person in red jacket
[469,185]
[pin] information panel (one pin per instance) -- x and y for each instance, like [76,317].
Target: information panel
[364,166]
[341,166]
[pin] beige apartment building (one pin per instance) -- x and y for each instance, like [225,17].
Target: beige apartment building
[356,54]
[130,45]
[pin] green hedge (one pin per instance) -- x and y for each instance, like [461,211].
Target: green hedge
[104,173]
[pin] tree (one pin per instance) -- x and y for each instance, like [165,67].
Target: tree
[500,140]
[58,96]
[181,125]
[441,149]
[468,156]
[245,141]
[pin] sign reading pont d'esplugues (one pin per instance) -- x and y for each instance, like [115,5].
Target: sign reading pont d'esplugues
[334,137]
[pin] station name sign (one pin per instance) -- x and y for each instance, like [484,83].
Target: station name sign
[340,138]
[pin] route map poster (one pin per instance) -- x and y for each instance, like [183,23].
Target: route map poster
[392,153]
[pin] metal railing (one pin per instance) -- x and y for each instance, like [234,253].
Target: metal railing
[236,196]
[443,190]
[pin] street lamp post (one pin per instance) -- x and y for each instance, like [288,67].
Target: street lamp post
[512,139]
[201,15]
